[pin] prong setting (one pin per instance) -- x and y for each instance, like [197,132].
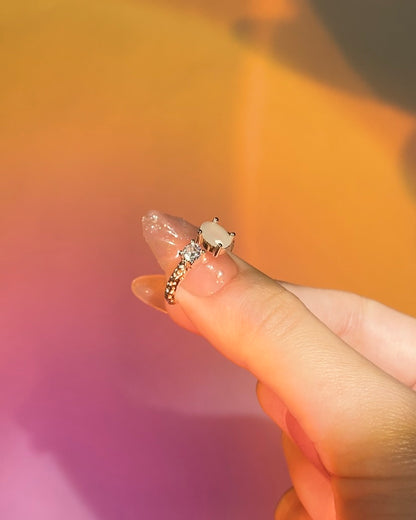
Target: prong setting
[211,238]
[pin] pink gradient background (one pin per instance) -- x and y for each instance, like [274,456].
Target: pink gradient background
[108,410]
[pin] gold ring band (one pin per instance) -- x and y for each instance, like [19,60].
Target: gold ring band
[211,238]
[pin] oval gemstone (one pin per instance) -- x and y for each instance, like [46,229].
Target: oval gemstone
[214,234]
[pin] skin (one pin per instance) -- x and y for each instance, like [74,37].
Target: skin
[336,372]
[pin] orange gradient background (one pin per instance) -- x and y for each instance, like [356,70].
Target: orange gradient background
[253,111]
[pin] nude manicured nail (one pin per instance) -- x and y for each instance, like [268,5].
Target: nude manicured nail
[166,235]
[150,291]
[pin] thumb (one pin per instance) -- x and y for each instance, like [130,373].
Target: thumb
[353,411]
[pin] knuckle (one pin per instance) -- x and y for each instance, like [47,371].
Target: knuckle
[352,321]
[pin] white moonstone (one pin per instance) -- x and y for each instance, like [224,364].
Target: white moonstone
[213,233]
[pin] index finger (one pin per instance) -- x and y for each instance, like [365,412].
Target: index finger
[338,396]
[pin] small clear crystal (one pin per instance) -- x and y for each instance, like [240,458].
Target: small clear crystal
[191,252]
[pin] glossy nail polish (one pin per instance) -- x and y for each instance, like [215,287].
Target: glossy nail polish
[166,235]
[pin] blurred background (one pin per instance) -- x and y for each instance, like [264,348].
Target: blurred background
[293,120]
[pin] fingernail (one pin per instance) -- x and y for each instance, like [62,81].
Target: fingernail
[208,276]
[150,291]
[166,235]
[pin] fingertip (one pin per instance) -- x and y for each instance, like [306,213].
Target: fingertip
[149,289]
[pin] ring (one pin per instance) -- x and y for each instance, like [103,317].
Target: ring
[211,238]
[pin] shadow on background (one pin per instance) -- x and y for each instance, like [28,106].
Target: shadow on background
[133,462]
[377,39]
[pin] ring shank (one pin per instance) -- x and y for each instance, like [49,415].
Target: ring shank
[173,281]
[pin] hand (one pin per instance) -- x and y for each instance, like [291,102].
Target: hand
[335,371]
